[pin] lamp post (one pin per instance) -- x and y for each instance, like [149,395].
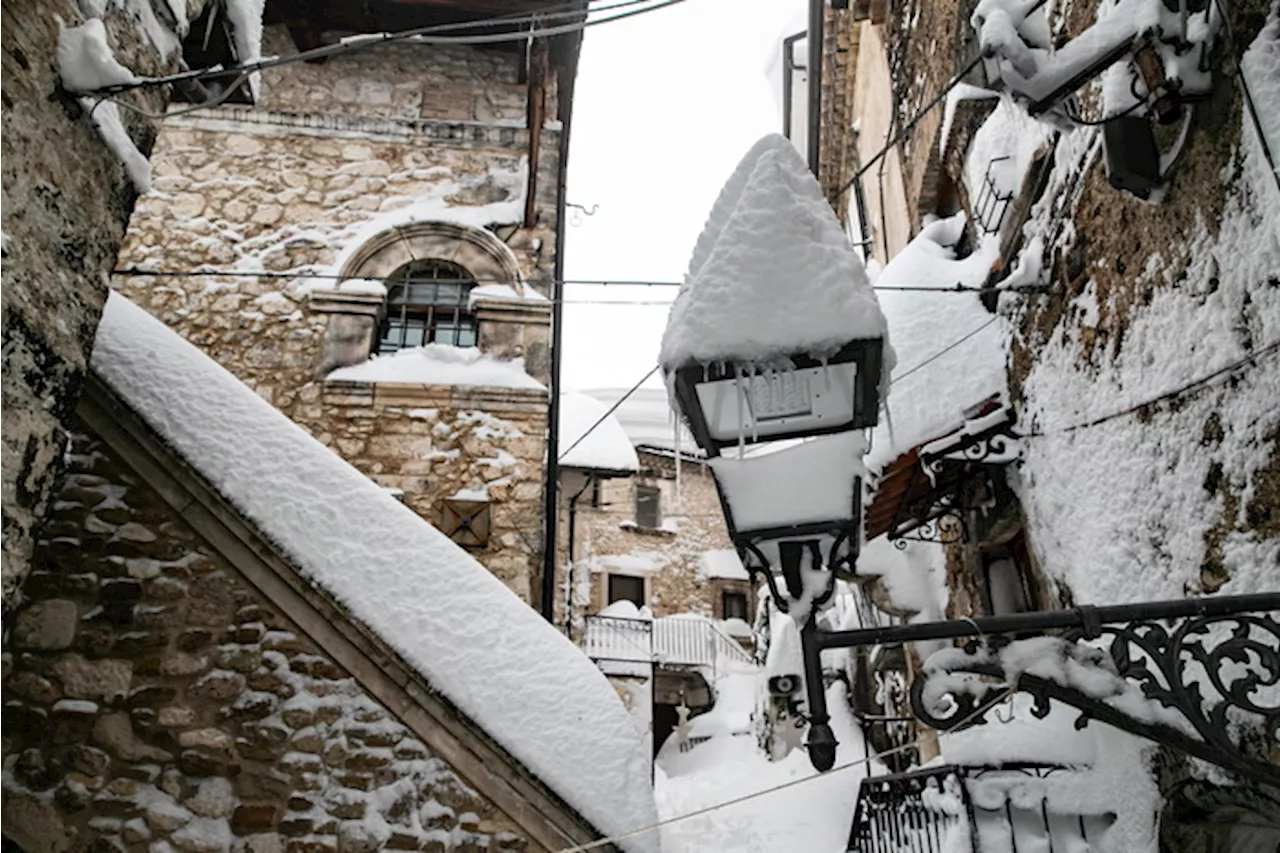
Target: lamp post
[792,501]
[775,347]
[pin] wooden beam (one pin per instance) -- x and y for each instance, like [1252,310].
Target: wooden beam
[536,114]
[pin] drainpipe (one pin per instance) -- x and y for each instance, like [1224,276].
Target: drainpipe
[788,68]
[573,532]
[816,11]
[550,492]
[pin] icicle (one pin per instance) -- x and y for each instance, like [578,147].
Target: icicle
[755,421]
[737,384]
[676,425]
[826,373]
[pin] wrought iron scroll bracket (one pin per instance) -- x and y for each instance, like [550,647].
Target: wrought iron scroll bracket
[1207,684]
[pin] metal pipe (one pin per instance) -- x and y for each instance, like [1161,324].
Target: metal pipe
[789,66]
[550,493]
[814,114]
[1078,617]
[573,531]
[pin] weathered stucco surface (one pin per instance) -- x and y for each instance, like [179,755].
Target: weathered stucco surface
[66,199]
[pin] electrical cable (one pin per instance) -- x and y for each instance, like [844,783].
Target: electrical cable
[1189,389]
[1248,97]
[419,35]
[977,712]
[605,416]
[270,274]
[940,353]
[909,126]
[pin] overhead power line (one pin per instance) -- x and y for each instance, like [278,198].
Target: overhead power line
[1191,388]
[606,415]
[595,282]
[419,35]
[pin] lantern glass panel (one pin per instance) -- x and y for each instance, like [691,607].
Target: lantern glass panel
[760,406]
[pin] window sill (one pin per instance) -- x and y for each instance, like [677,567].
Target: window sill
[632,527]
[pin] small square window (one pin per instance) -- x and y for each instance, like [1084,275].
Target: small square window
[734,606]
[648,506]
[626,587]
[466,522]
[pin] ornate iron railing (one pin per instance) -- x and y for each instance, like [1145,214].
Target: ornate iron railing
[932,810]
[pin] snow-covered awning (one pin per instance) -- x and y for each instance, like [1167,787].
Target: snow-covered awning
[465,635]
[593,438]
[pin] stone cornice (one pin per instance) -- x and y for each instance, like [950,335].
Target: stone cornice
[457,134]
[527,311]
[496,400]
[550,822]
[346,302]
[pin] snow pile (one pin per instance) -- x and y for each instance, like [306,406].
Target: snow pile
[1261,69]
[635,563]
[85,60]
[592,437]
[931,389]
[812,814]
[447,201]
[86,63]
[486,651]
[772,273]
[440,364]
[1014,35]
[1003,148]
[812,481]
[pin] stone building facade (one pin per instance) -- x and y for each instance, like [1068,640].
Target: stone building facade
[65,210]
[663,540]
[437,166]
[1137,478]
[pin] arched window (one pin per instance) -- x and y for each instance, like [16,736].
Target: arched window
[428,302]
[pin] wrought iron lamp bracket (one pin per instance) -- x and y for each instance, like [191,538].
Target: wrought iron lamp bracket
[1194,682]
[950,472]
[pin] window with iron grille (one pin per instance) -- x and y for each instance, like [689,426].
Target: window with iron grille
[626,587]
[428,302]
[734,606]
[648,506]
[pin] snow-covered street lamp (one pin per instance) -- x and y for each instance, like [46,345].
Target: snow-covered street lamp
[775,347]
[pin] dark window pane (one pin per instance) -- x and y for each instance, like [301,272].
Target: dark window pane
[735,606]
[626,587]
[428,303]
[648,506]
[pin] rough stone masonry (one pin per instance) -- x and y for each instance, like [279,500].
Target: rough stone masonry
[66,200]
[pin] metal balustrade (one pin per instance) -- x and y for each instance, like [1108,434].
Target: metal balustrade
[931,810]
[671,641]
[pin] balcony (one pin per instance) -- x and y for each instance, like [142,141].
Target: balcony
[932,810]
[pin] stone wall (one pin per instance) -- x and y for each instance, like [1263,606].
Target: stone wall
[333,159]
[435,442]
[155,702]
[608,540]
[66,199]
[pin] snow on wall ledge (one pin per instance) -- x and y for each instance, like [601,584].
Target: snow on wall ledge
[772,273]
[440,364]
[471,638]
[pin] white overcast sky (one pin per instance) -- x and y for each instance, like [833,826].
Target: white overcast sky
[666,104]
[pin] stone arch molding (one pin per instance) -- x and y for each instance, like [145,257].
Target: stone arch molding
[488,259]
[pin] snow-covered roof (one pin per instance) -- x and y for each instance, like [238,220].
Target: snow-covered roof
[722,563]
[647,417]
[932,390]
[440,364]
[471,639]
[772,273]
[605,448]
